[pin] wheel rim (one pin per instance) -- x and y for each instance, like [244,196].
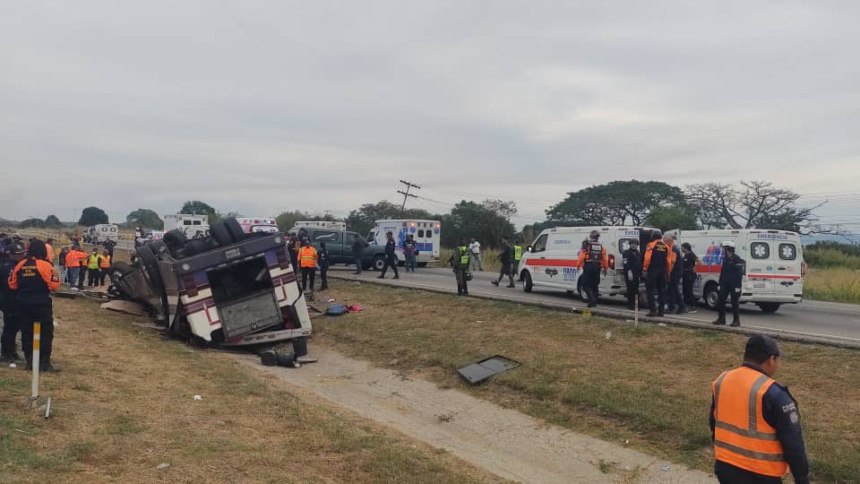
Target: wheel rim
[711,299]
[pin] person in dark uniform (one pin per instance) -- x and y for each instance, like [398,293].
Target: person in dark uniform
[322,262]
[674,299]
[593,261]
[459,262]
[507,260]
[632,272]
[688,275]
[11,324]
[32,282]
[731,277]
[655,270]
[390,256]
[755,422]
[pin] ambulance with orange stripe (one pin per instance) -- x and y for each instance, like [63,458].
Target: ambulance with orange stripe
[774,265]
[552,259]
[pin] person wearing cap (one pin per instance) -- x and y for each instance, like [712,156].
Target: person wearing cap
[93,268]
[390,256]
[632,272]
[32,281]
[731,277]
[11,324]
[592,259]
[755,422]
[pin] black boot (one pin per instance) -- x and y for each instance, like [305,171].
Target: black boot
[720,321]
[735,322]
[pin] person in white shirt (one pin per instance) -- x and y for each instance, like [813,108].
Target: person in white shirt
[475,251]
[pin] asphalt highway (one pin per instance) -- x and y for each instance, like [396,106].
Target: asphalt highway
[832,322]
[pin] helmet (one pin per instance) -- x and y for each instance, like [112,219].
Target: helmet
[728,244]
[17,248]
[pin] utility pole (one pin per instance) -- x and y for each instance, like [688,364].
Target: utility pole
[406,194]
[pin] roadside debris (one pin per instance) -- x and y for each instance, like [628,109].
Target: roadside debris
[162,466]
[286,359]
[197,398]
[126,307]
[483,369]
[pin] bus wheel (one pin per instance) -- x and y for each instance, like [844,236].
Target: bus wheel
[769,308]
[710,296]
[527,282]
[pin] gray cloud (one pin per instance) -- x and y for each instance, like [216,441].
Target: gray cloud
[264,106]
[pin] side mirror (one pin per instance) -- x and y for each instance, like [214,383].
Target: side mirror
[529,248]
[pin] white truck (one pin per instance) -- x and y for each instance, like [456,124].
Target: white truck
[194,226]
[552,259]
[427,235]
[774,265]
[100,233]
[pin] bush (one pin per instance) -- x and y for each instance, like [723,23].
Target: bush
[827,257]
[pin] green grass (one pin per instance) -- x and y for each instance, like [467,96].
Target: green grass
[833,284]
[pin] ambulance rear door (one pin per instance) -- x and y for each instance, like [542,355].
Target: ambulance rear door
[760,264]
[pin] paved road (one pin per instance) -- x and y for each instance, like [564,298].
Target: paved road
[834,322]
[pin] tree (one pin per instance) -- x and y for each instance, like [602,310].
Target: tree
[196,207]
[36,223]
[504,209]
[144,218]
[287,220]
[614,203]
[668,218]
[93,216]
[362,220]
[472,220]
[755,204]
[52,221]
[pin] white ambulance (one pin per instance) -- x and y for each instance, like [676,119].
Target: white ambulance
[100,233]
[338,226]
[552,259]
[194,226]
[258,225]
[774,265]
[427,235]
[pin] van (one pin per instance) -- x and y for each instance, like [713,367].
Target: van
[194,226]
[552,261]
[427,235]
[774,265]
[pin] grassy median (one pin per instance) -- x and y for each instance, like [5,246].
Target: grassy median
[123,406]
[649,387]
[838,284]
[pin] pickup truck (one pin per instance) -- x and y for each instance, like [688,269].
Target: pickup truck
[228,288]
[339,245]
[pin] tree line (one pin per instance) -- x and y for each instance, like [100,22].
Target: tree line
[748,204]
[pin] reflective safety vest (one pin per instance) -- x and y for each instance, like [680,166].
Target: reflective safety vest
[595,253]
[93,262]
[307,257]
[464,256]
[742,437]
[105,262]
[518,253]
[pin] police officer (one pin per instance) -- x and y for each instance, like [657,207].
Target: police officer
[655,269]
[390,256]
[731,277]
[11,324]
[32,282]
[632,272]
[755,424]
[593,260]
[688,275]
[459,262]
[322,261]
[507,260]
[674,300]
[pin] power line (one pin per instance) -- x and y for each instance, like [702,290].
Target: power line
[406,194]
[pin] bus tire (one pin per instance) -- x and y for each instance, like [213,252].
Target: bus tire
[768,308]
[219,232]
[235,229]
[526,279]
[710,295]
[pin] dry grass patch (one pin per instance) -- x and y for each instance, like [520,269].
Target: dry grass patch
[838,284]
[650,386]
[123,405]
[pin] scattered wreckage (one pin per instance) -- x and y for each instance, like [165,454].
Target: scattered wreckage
[230,288]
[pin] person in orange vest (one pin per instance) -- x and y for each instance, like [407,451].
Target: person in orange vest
[308,263]
[658,263]
[592,260]
[104,266]
[74,262]
[755,424]
[32,281]
[49,246]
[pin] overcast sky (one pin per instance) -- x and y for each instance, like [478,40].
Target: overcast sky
[258,106]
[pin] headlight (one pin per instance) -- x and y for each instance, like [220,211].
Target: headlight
[185,266]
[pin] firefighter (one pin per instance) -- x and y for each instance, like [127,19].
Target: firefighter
[674,300]
[655,269]
[632,272]
[390,256]
[688,276]
[755,424]
[459,262]
[11,323]
[104,266]
[93,268]
[32,281]
[308,263]
[731,277]
[507,259]
[593,261]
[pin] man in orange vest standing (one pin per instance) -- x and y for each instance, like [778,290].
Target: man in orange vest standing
[104,267]
[755,423]
[308,263]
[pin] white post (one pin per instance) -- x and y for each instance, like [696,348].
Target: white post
[34,361]
[636,310]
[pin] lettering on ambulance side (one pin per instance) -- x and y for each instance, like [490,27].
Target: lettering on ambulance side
[569,274]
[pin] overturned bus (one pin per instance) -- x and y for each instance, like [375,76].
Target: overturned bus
[228,288]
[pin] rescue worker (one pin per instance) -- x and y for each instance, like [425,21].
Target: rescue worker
[755,424]
[73,265]
[93,268]
[49,246]
[390,256]
[632,260]
[507,260]
[655,269]
[688,276]
[64,271]
[11,322]
[322,260]
[517,256]
[308,264]
[32,282]
[459,261]
[104,266]
[731,277]
[593,261]
[674,300]
[110,245]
